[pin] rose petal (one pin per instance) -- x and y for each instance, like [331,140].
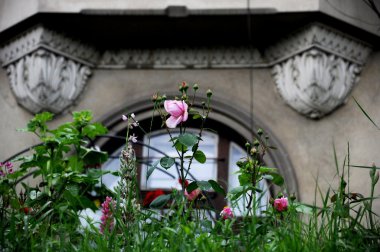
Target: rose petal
[185,113]
[173,121]
[175,108]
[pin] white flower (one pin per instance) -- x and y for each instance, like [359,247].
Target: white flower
[133,138]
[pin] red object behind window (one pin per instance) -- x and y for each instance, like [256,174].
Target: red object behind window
[152,195]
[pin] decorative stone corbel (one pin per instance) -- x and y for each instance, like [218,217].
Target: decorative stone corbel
[47,71]
[316,69]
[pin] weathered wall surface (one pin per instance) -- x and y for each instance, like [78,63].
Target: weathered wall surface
[309,143]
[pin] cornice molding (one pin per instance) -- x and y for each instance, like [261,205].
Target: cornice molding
[177,58]
[322,37]
[39,37]
[314,68]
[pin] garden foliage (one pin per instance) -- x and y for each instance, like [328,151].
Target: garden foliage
[48,216]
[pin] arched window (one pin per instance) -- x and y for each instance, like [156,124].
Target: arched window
[167,179]
[223,148]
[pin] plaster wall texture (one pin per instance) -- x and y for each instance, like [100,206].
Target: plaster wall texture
[309,143]
[354,12]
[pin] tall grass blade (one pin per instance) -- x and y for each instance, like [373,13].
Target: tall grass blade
[365,113]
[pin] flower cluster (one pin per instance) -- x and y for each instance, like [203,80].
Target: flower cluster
[281,204]
[132,123]
[8,168]
[107,220]
[226,213]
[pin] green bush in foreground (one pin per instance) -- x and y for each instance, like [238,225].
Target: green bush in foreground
[50,216]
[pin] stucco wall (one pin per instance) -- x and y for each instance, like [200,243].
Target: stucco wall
[309,143]
[354,12]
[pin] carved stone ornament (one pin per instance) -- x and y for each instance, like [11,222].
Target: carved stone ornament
[44,81]
[315,83]
[319,75]
[47,71]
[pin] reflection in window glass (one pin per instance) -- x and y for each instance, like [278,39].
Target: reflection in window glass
[162,180]
[236,152]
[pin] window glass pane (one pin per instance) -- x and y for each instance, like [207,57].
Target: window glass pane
[169,178]
[236,153]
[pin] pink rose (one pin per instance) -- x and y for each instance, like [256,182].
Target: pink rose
[178,112]
[193,195]
[227,213]
[281,204]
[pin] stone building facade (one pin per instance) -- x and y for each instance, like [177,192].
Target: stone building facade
[290,67]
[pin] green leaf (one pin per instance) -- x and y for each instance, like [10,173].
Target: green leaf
[82,117]
[204,185]
[93,130]
[85,202]
[74,189]
[264,169]
[192,186]
[95,174]
[167,162]
[39,122]
[188,139]
[200,156]
[237,192]
[217,188]
[193,112]
[277,179]
[151,169]
[180,147]
[302,208]
[92,157]
[160,201]
[244,179]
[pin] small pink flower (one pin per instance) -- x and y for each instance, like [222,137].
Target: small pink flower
[193,195]
[124,117]
[178,112]
[9,167]
[107,219]
[281,204]
[227,213]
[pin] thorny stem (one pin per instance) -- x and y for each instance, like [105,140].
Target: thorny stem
[200,136]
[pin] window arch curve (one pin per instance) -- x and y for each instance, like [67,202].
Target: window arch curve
[231,124]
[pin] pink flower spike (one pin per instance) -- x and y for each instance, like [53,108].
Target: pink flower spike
[227,213]
[108,206]
[281,204]
[178,112]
